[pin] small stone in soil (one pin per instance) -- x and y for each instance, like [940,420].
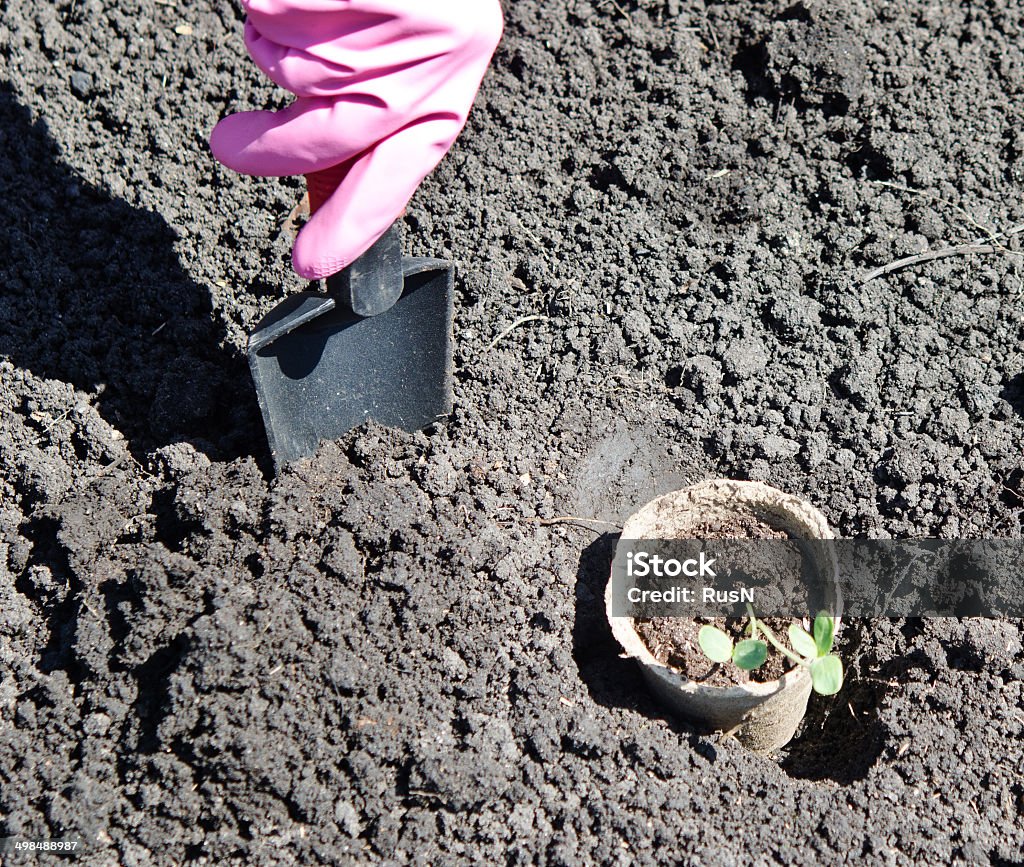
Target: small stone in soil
[81,84]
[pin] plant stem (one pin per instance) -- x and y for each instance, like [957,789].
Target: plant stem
[799,660]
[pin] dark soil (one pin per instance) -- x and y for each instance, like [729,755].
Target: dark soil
[740,525]
[392,653]
[673,641]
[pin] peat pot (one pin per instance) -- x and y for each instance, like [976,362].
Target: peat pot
[762,716]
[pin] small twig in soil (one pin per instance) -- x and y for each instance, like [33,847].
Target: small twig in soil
[979,245]
[40,417]
[930,255]
[423,793]
[731,734]
[1010,490]
[879,680]
[529,234]
[109,468]
[572,519]
[92,611]
[622,11]
[521,321]
[714,36]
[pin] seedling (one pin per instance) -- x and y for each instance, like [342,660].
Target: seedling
[812,651]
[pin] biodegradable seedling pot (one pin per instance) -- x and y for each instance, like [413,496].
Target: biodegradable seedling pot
[762,716]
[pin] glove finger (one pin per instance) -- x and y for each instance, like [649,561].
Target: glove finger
[317,48]
[297,69]
[309,135]
[371,197]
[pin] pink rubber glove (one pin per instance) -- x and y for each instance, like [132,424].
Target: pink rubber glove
[384,88]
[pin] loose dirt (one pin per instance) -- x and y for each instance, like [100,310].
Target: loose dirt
[396,652]
[673,641]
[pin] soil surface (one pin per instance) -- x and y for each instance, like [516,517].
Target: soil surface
[673,641]
[396,651]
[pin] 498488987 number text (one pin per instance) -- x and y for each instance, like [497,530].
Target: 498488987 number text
[21,844]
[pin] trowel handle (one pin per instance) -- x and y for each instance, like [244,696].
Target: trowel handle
[320,186]
[374,281]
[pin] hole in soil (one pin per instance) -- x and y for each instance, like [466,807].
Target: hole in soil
[998,860]
[114,594]
[796,12]
[752,62]
[168,527]
[912,628]
[1013,393]
[61,611]
[604,177]
[869,163]
[841,737]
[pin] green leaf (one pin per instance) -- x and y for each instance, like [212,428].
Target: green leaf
[717,646]
[750,653]
[827,675]
[802,641]
[824,631]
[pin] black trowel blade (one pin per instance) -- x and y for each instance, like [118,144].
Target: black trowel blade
[320,371]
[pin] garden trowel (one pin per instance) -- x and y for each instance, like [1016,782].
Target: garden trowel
[376,345]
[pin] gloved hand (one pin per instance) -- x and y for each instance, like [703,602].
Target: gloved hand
[383,86]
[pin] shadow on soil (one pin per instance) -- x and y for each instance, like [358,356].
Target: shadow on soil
[94,295]
[612,681]
[841,737]
[1013,393]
